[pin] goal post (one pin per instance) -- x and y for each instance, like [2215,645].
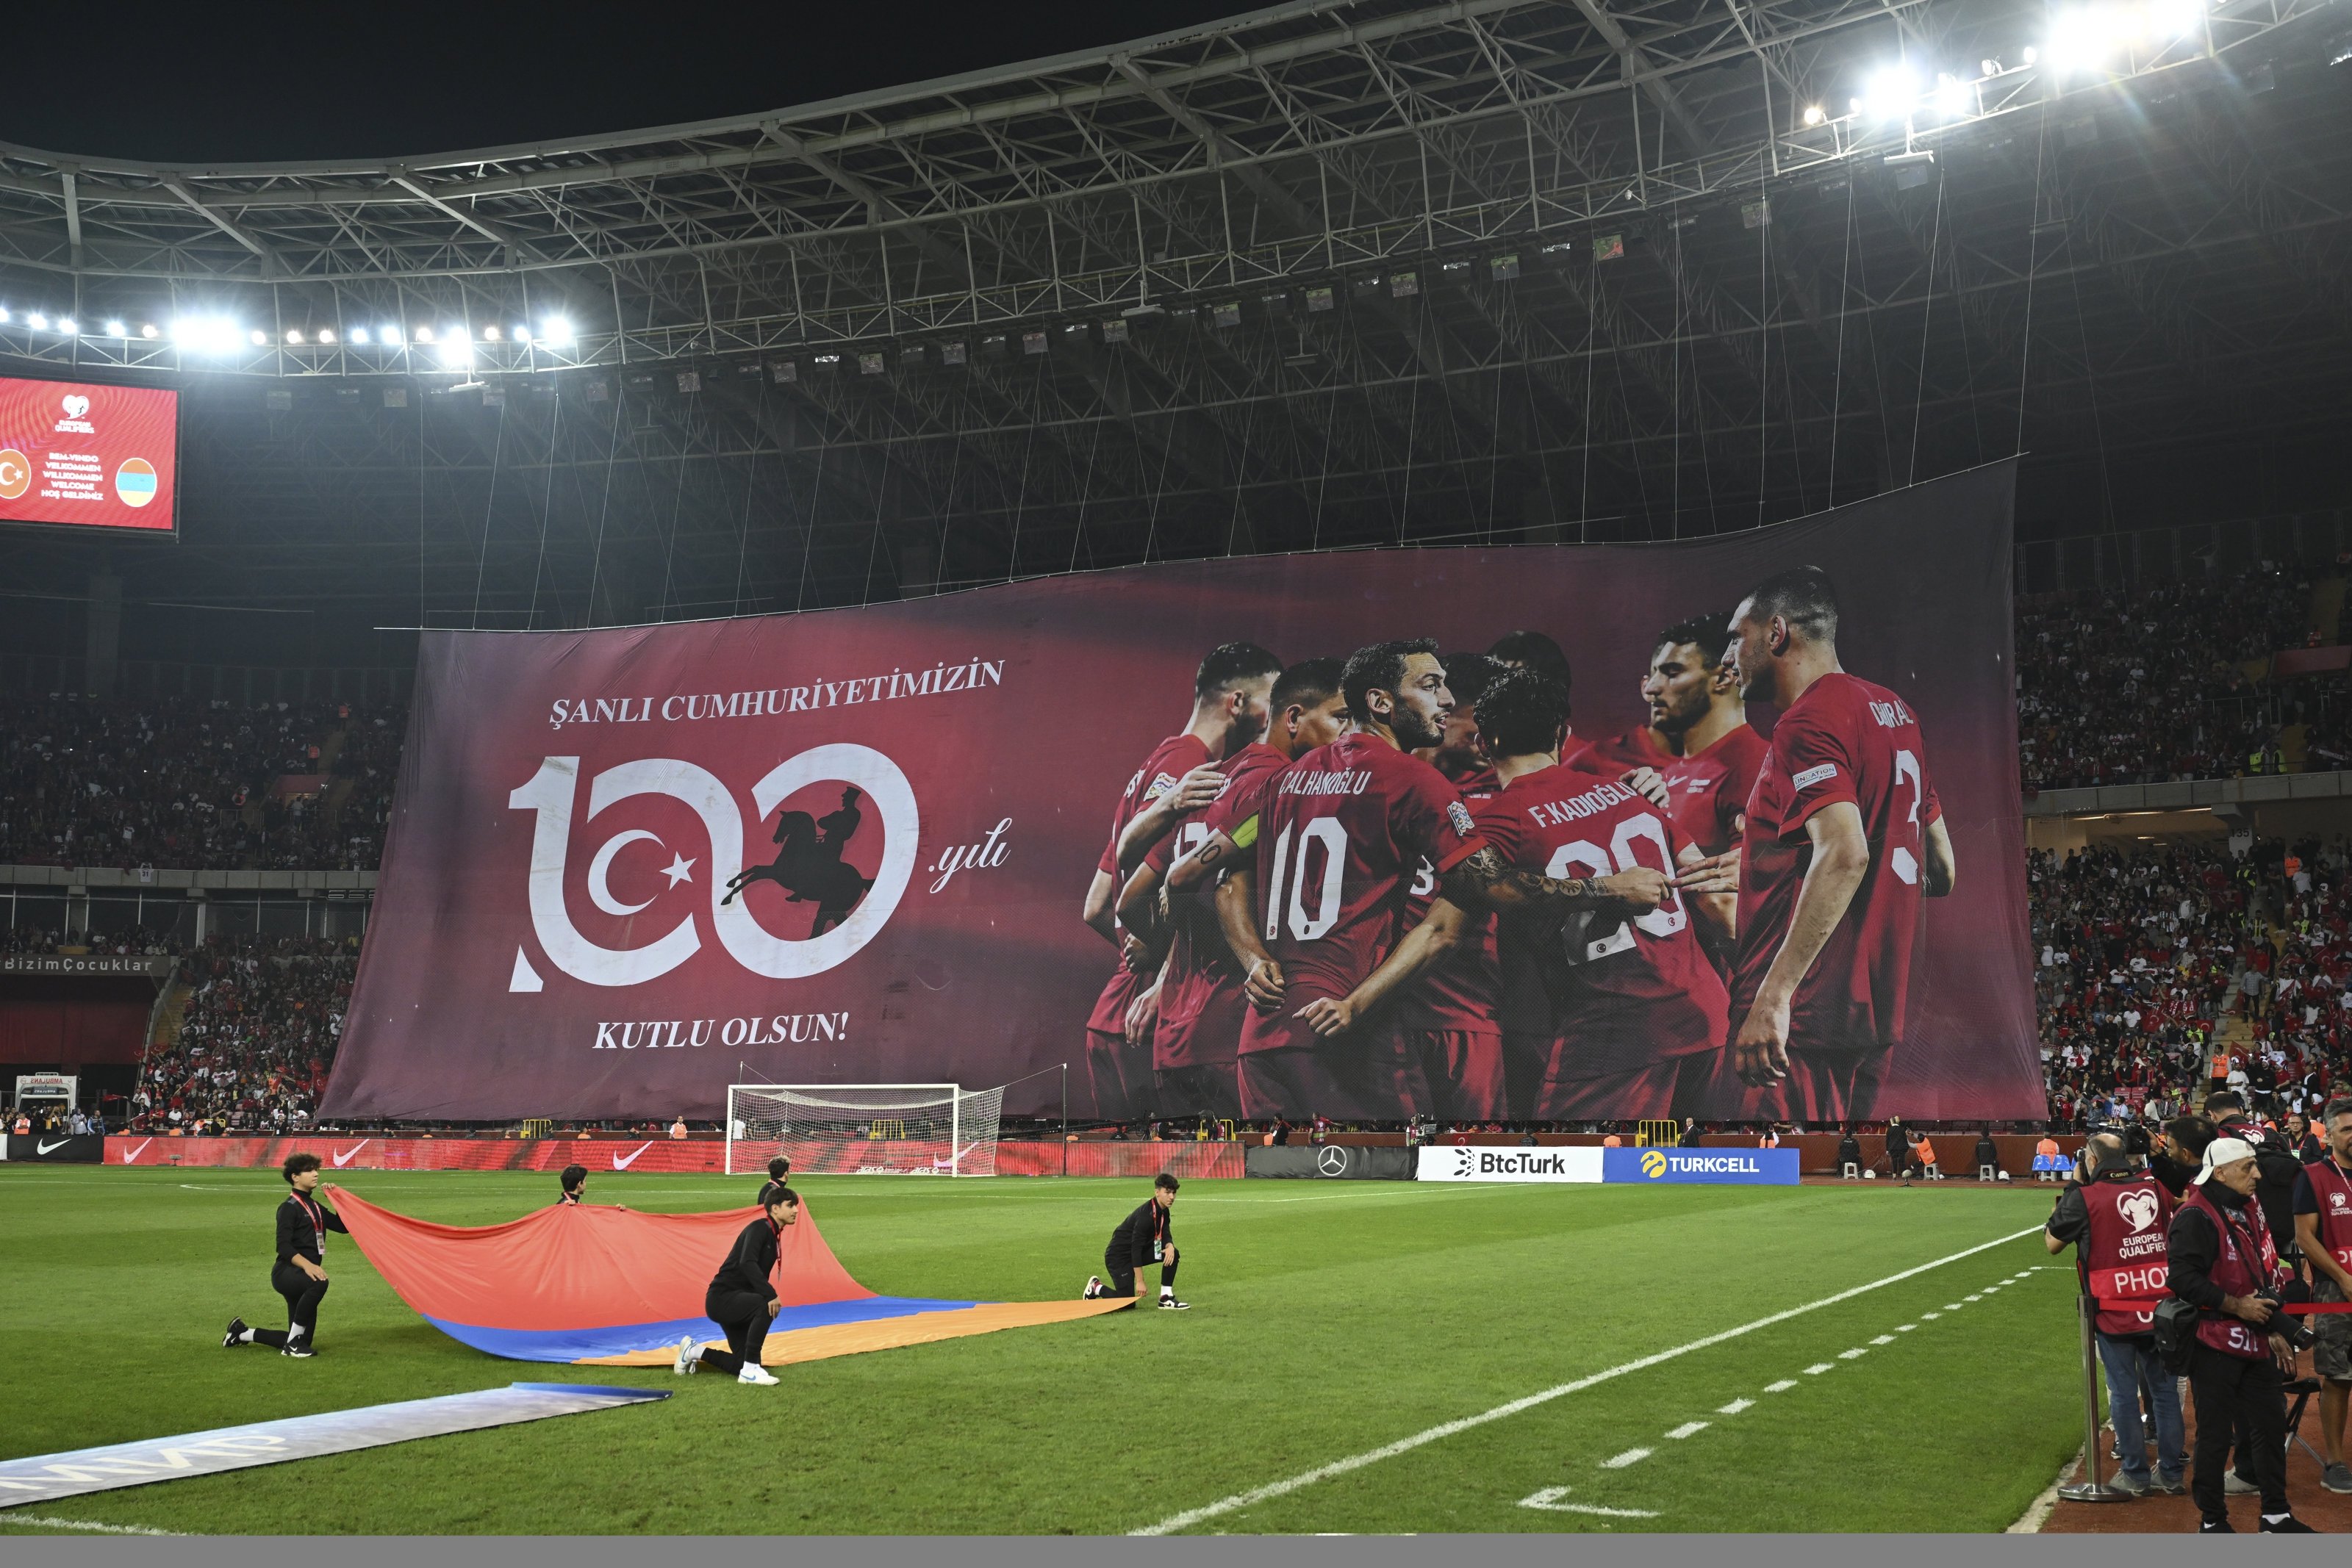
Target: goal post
[864,1129]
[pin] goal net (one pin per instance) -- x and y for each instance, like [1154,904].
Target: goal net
[869,1129]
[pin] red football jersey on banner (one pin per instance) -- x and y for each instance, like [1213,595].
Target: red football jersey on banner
[1628,992]
[1710,786]
[1341,832]
[1463,990]
[1200,966]
[1845,739]
[1169,762]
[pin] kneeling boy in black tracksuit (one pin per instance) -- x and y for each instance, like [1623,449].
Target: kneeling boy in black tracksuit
[1143,1238]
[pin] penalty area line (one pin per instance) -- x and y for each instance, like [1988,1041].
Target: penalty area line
[1284,1488]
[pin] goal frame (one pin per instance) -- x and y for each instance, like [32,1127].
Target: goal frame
[954,1095]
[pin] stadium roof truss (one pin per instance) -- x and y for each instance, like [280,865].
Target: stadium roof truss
[1320,274]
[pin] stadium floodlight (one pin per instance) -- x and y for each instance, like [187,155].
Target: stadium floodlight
[388,335]
[557,331]
[117,330]
[66,326]
[490,334]
[3,315]
[326,334]
[2031,54]
[425,334]
[148,330]
[521,333]
[258,337]
[294,335]
[1954,98]
[37,322]
[456,350]
[360,335]
[1815,114]
[206,334]
[2084,40]
[1889,94]
[2172,20]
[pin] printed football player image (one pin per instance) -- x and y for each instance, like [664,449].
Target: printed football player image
[1229,711]
[1195,1049]
[1318,914]
[1450,1014]
[1844,836]
[1698,737]
[1625,1016]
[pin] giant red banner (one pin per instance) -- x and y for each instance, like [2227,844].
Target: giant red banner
[85,454]
[629,867]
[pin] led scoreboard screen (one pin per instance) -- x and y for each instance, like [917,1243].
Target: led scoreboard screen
[88,455]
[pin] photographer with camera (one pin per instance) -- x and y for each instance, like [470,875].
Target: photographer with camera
[2323,1227]
[2222,1264]
[2277,1170]
[2116,1219]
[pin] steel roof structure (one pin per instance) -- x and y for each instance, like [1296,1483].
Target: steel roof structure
[1322,275]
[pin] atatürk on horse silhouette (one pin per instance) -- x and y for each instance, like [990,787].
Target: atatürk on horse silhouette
[808,864]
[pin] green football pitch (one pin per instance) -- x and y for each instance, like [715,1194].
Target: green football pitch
[1369,1358]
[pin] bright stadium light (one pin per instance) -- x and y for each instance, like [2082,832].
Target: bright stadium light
[425,334]
[5,316]
[359,335]
[490,334]
[66,326]
[1954,98]
[2174,19]
[2084,40]
[1890,94]
[457,351]
[258,337]
[557,332]
[117,330]
[388,335]
[326,334]
[294,335]
[520,334]
[148,330]
[37,322]
[1815,114]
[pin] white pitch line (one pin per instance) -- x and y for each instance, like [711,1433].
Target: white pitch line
[87,1524]
[1883,1339]
[1856,1353]
[1905,1328]
[1549,1500]
[1688,1429]
[1284,1488]
[1818,1368]
[1630,1457]
[1931,1317]
[1735,1407]
[1782,1386]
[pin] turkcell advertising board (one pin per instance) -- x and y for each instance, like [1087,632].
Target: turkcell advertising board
[629,866]
[1722,1167]
[87,454]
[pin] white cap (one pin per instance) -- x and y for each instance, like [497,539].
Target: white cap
[2223,1152]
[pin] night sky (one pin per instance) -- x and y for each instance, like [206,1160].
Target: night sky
[262,81]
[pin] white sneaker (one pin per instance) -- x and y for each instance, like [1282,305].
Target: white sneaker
[690,1356]
[754,1373]
[1094,1287]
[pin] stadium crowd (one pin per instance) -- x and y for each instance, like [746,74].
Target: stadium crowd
[256,1041]
[2129,689]
[2144,959]
[182,783]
